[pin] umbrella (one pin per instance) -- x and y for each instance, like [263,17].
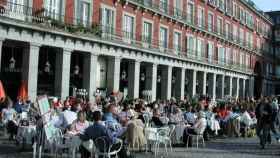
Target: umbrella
[23,93]
[2,92]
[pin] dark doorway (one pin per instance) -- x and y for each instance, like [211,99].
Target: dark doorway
[258,80]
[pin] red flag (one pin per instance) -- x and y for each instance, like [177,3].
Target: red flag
[23,93]
[2,92]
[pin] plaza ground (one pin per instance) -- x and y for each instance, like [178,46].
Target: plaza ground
[218,148]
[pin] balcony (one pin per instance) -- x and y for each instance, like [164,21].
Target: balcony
[114,35]
[186,18]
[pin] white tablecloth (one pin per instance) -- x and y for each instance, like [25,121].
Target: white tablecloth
[26,133]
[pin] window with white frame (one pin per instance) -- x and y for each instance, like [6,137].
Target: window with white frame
[229,6]
[200,17]
[221,55]
[247,60]
[107,20]
[200,48]
[234,32]
[227,30]
[177,41]
[52,8]
[177,8]
[163,37]
[220,26]
[222,4]
[210,51]
[191,45]
[241,36]
[147,32]
[128,26]
[228,56]
[234,56]
[16,9]
[235,9]
[190,12]
[84,13]
[163,5]
[210,22]
[247,39]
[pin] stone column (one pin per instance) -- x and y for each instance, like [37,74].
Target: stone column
[1,45]
[133,79]
[244,88]
[30,69]
[230,86]
[114,74]
[89,75]
[223,87]
[62,73]
[237,87]
[182,84]
[214,86]
[194,83]
[204,83]
[166,83]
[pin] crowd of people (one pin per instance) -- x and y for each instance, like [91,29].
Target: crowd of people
[116,119]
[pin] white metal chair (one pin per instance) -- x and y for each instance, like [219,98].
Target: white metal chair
[163,137]
[103,148]
[59,144]
[197,136]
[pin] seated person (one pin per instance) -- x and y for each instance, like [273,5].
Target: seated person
[67,117]
[8,118]
[111,122]
[135,133]
[189,115]
[197,128]
[176,117]
[156,118]
[79,125]
[95,131]
[245,121]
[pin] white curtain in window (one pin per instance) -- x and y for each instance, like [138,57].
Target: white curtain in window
[107,20]
[147,32]
[163,37]
[128,24]
[85,13]
[210,51]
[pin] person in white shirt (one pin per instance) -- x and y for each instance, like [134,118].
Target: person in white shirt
[245,122]
[198,128]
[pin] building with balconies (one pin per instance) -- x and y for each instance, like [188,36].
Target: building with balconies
[159,48]
[275,16]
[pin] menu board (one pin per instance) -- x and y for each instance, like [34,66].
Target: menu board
[44,105]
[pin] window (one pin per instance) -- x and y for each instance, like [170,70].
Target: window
[221,55]
[235,10]
[229,6]
[163,37]
[241,36]
[148,2]
[107,21]
[190,13]
[247,39]
[200,49]
[177,42]
[177,8]
[228,56]
[234,32]
[210,50]
[128,27]
[190,45]
[84,13]
[221,4]
[258,43]
[200,17]
[16,8]
[227,30]
[52,8]
[147,32]
[210,22]
[163,5]
[220,26]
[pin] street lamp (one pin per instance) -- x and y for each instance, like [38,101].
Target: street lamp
[142,77]
[158,78]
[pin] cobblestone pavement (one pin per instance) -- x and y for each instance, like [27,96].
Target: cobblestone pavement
[219,148]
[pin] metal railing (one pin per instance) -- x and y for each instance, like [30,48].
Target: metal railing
[60,22]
